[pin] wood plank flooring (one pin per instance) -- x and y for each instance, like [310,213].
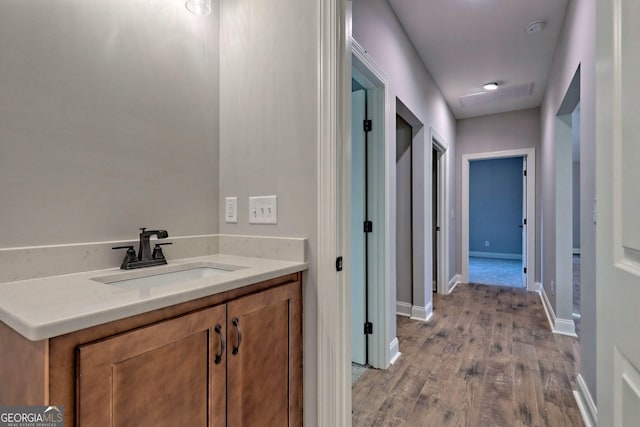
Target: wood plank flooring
[486,359]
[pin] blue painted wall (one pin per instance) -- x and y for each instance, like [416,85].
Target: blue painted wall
[495,205]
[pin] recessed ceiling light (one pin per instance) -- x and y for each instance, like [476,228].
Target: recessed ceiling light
[535,27]
[490,86]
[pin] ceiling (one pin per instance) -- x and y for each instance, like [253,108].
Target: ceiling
[466,43]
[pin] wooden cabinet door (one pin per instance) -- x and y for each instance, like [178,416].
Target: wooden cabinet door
[165,374]
[264,358]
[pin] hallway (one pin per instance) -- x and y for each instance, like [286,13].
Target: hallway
[488,358]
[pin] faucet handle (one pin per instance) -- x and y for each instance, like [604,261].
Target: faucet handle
[129,257]
[157,250]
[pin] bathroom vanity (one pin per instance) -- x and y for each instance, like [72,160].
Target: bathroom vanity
[215,350]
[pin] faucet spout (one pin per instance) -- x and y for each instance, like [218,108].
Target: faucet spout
[144,252]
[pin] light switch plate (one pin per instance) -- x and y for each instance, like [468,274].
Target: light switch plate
[263,210]
[231,210]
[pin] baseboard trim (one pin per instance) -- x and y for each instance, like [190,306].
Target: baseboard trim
[537,286]
[558,326]
[453,283]
[494,255]
[422,314]
[565,327]
[403,309]
[394,351]
[585,403]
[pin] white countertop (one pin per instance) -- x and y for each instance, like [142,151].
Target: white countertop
[50,306]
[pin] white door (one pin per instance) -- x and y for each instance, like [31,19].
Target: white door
[618,212]
[525,270]
[358,249]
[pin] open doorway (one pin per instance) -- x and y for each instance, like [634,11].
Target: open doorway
[566,315]
[404,216]
[413,216]
[365,180]
[523,224]
[439,213]
[497,213]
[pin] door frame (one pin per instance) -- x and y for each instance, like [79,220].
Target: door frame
[331,386]
[440,145]
[383,348]
[529,153]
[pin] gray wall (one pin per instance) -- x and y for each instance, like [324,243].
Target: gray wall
[498,132]
[404,241]
[576,47]
[268,133]
[495,206]
[377,29]
[108,121]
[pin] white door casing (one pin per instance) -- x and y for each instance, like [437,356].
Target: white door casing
[529,153]
[333,332]
[382,344]
[618,213]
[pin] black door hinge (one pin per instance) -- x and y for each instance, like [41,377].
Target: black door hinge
[367,125]
[525,221]
[368,226]
[368,328]
[524,172]
[525,270]
[339,263]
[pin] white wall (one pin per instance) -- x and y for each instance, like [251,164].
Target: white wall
[576,47]
[108,121]
[268,133]
[497,132]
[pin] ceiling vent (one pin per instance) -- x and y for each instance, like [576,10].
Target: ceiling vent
[501,94]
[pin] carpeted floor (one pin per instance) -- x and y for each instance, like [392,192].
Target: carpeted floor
[490,271]
[576,284]
[357,371]
[576,293]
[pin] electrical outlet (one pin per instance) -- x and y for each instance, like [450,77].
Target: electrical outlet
[487,243]
[263,210]
[231,210]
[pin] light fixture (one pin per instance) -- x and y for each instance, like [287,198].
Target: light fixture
[199,7]
[490,86]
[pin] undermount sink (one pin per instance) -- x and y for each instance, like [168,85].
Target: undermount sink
[165,276]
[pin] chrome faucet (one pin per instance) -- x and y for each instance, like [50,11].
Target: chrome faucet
[145,257]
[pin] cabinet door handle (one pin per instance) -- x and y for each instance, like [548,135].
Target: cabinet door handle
[218,330]
[236,348]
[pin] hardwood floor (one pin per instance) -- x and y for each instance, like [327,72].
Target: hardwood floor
[487,358]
